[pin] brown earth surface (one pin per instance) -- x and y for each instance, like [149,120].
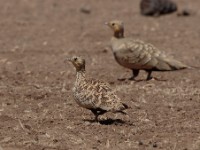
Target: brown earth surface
[37,109]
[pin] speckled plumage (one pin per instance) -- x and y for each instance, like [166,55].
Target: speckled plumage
[137,55]
[157,7]
[93,94]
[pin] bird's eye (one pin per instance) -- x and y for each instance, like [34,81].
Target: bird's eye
[113,24]
[75,59]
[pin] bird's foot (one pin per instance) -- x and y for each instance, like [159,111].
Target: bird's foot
[91,121]
[121,79]
[110,121]
[150,78]
[132,79]
[157,79]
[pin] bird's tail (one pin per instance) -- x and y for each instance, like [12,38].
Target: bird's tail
[125,106]
[177,65]
[122,112]
[121,108]
[170,65]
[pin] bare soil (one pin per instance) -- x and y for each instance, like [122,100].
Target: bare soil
[37,109]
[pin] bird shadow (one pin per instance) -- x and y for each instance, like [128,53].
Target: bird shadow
[157,79]
[121,79]
[142,80]
[108,121]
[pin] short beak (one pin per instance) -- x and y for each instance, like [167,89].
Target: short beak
[67,59]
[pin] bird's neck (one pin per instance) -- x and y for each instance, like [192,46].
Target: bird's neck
[119,34]
[80,75]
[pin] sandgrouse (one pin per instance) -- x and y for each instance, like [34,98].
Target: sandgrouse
[137,55]
[157,7]
[92,94]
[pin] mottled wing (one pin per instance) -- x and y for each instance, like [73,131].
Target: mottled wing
[136,54]
[139,55]
[102,96]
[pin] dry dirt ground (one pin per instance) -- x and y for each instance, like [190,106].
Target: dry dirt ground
[37,109]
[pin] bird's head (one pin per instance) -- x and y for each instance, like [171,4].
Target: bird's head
[78,62]
[117,26]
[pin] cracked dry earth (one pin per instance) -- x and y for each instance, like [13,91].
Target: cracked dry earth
[37,109]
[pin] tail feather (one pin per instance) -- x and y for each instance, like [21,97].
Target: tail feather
[125,106]
[194,67]
[169,65]
[121,108]
[176,65]
[122,112]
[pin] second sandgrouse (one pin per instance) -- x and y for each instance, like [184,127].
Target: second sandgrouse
[137,55]
[93,94]
[157,7]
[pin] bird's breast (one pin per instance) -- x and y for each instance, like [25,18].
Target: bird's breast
[128,61]
[82,97]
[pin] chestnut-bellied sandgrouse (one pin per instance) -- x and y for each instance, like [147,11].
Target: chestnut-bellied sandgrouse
[157,7]
[93,94]
[138,55]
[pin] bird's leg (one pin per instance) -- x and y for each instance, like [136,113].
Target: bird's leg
[101,112]
[149,77]
[135,74]
[96,118]
[95,114]
[98,112]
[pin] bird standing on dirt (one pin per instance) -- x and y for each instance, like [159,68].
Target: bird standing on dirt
[92,94]
[137,55]
[157,7]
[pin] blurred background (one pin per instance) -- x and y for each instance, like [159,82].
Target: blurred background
[37,110]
